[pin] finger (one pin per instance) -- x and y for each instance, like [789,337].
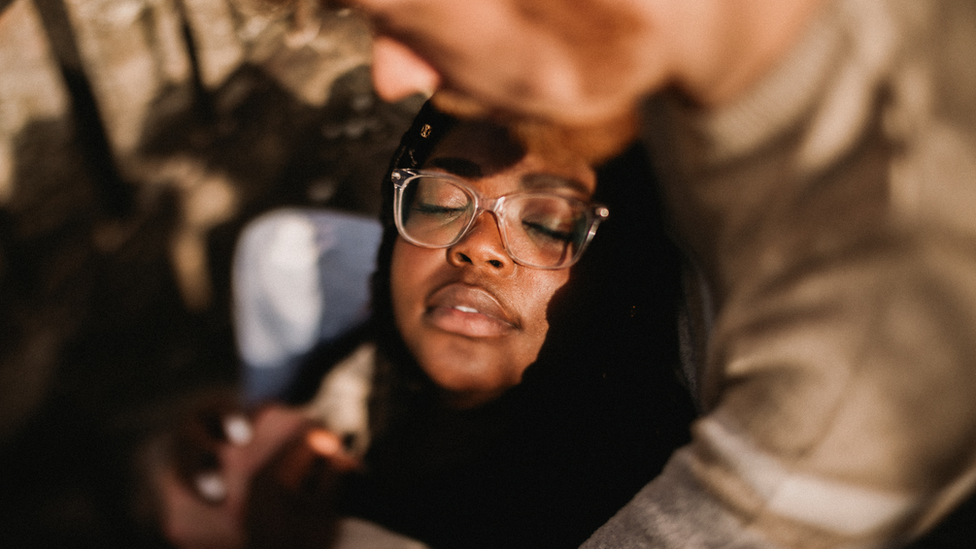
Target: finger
[209,424]
[328,445]
[189,522]
[210,486]
[237,428]
[198,466]
[299,468]
[210,421]
[312,461]
[198,458]
[222,419]
[274,427]
[293,499]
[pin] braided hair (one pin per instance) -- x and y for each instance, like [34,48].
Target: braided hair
[428,128]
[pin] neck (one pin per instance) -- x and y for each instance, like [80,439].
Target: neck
[733,43]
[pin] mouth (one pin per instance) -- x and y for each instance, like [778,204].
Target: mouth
[468,311]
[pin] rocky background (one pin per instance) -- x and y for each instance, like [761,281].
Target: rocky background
[136,139]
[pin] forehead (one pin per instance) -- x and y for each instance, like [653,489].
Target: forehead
[488,145]
[481,150]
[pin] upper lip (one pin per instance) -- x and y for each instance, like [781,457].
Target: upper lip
[460,294]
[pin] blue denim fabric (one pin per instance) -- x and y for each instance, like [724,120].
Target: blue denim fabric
[300,277]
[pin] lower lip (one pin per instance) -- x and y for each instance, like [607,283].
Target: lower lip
[467,324]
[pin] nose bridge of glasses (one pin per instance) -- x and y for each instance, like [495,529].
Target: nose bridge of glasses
[492,206]
[479,224]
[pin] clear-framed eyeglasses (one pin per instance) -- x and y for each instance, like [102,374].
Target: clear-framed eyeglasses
[539,229]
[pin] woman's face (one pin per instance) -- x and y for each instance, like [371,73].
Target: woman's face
[473,318]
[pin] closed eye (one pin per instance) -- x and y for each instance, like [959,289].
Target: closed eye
[543,231]
[437,210]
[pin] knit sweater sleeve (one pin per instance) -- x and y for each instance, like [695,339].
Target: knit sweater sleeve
[830,212]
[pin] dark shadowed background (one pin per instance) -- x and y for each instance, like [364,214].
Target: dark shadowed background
[136,139]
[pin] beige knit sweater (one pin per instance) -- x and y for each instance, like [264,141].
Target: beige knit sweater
[831,213]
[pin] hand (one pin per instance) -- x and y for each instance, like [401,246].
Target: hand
[238,482]
[294,497]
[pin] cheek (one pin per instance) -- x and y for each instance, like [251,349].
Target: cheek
[402,284]
[410,274]
[536,293]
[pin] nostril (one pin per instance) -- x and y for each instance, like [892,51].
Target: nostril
[495,263]
[464,258]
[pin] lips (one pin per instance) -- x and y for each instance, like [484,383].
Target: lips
[469,311]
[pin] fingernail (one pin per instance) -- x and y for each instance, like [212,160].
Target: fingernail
[324,443]
[238,429]
[211,486]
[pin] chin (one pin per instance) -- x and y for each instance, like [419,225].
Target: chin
[467,389]
[470,399]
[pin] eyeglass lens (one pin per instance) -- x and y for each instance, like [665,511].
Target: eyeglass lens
[538,229]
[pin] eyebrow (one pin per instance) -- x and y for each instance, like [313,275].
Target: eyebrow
[462,167]
[532,181]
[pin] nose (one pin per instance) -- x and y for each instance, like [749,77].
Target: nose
[398,72]
[482,247]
